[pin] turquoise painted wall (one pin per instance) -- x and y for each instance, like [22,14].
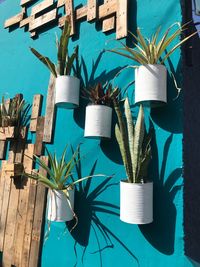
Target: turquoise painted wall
[101,239]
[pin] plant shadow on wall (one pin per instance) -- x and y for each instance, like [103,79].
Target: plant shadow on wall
[173,109]
[161,233]
[87,207]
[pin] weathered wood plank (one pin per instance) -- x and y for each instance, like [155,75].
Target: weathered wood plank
[39,136]
[29,223]
[4,207]
[36,109]
[81,12]
[69,12]
[25,2]
[50,111]
[42,20]
[38,220]
[14,20]
[108,24]
[3,145]
[22,208]
[41,6]
[2,183]
[7,133]
[26,21]
[61,3]
[108,8]
[91,10]
[122,19]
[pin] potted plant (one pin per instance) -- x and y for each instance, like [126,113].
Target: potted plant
[67,87]
[151,54]
[136,191]
[98,119]
[13,117]
[60,183]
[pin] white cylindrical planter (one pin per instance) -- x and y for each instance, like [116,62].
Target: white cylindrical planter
[67,92]
[60,209]
[98,121]
[151,83]
[136,202]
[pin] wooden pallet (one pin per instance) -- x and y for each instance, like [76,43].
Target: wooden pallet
[22,201]
[113,13]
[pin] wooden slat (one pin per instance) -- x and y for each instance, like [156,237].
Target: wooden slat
[7,133]
[4,207]
[29,224]
[39,136]
[91,10]
[50,111]
[25,2]
[42,20]
[2,183]
[81,12]
[108,8]
[122,20]
[38,220]
[3,145]
[41,6]
[108,24]
[61,3]
[36,109]
[14,20]
[69,11]
[26,21]
[22,209]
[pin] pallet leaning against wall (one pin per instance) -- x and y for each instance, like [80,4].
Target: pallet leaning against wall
[22,201]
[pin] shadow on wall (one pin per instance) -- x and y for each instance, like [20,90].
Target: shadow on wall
[173,109]
[161,233]
[87,208]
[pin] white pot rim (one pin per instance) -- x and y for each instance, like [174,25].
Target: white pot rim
[68,76]
[157,64]
[125,181]
[99,105]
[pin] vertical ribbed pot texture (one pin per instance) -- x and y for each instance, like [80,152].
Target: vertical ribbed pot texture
[136,202]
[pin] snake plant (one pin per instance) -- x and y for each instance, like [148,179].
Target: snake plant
[134,142]
[14,112]
[64,60]
[151,50]
[59,172]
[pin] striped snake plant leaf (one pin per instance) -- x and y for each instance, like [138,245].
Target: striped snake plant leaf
[130,129]
[138,141]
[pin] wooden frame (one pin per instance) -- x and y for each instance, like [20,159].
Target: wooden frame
[113,13]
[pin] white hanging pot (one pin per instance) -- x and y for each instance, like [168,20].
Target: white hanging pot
[151,84]
[98,121]
[67,92]
[60,207]
[136,202]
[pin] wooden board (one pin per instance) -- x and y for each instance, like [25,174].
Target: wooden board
[43,20]
[91,10]
[108,24]
[3,145]
[36,109]
[38,220]
[7,133]
[50,111]
[22,209]
[122,20]
[25,2]
[39,136]
[14,20]
[41,6]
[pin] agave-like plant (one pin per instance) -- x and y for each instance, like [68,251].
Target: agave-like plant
[134,142]
[151,50]
[99,94]
[64,60]
[14,112]
[59,172]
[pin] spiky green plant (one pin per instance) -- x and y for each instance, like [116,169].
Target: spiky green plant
[64,60]
[99,94]
[134,142]
[151,50]
[14,112]
[59,172]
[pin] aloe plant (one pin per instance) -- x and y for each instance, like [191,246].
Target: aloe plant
[14,112]
[64,60]
[151,50]
[59,172]
[133,141]
[99,94]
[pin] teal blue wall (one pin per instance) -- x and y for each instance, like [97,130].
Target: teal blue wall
[101,239]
